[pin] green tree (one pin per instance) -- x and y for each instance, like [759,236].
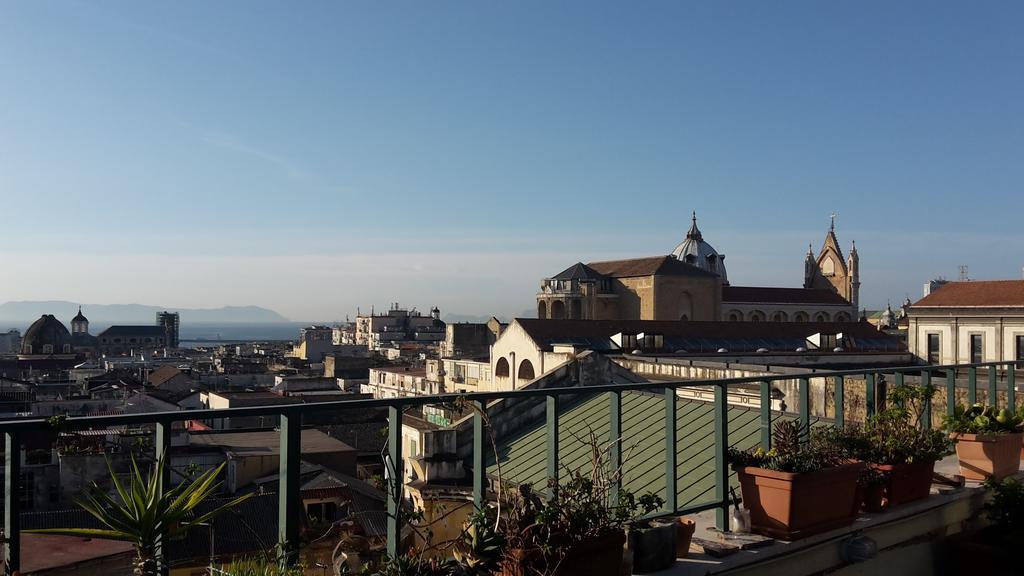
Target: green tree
[140,514]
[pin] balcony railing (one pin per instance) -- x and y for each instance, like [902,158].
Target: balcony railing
[290,505]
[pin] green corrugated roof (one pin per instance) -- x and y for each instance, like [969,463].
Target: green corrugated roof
[524,458]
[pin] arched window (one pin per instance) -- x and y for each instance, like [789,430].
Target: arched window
[757,316]
[800,317]
[542,309]
[735,316]
[685,306]
[501,368]
[821,317]
[47,348]
[576,310]
[526,370]
[558,310]
[842,317]
[779,317]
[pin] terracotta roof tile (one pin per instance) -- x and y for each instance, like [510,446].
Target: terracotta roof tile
[994,293]
[782,295]
[661,265]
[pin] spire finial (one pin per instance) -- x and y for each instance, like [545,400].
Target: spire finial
[832,226]
[694,216]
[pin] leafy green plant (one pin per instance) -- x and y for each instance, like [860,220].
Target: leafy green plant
[1005,510]
[140,513]
[797,449]
[981,419]
[897,434]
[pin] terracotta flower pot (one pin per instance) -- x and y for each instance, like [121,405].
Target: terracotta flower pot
[599,557]
[907,482]
[791,506]
[684,534]
[984,455]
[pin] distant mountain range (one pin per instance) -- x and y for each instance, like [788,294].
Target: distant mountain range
[105,314]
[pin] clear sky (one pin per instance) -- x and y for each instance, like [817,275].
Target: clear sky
[314,157]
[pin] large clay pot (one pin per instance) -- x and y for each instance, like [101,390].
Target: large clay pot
[653,546]
[599,557]
[906,482]
[984,455]
[791,506]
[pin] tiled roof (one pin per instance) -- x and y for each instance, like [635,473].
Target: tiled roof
[993,293]
[660,265]
[163,374]
[524,458]
[113,331]
[782,295]
[706,336]
[578,271]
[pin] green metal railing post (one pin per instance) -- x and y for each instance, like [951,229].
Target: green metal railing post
[479,486]
[869,394]
[766,415]
[721,461]
[899,380]
[926,408]
[162,447]
[1011,387]
[840,400]
[972,385]
[12,503]
[993,379]
[950,391]
[551,413]
[615,444]
[396,479]
[289,503]
[671,496]
[805,404]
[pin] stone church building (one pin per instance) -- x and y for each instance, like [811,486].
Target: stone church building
[692,283]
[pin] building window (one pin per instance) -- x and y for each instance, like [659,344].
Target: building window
[977,349]
[26,490]
[501,369]
[934,349]
[1020,348]
[526,370]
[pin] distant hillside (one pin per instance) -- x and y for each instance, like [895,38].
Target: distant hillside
[26,312]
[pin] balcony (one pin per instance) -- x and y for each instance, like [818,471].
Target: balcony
[693,482]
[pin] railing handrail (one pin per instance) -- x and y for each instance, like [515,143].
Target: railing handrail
[74,422]
[291,425]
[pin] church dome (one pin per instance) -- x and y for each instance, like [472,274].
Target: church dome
[79,317]
[696,252]
[46,336]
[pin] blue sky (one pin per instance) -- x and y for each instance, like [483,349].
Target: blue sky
[320,156]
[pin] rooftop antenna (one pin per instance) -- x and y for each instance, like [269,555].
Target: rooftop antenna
[963,273]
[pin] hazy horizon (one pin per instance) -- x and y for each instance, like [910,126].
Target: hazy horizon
[320,159]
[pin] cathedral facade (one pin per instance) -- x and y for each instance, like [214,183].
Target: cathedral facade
[692,284]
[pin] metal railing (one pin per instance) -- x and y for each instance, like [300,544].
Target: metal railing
[289,503]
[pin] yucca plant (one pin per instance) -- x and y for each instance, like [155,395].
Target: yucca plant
[140,513]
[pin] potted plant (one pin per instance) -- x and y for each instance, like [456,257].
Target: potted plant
[652,541]
[871,487]
[991,550]
[988,440]
[895,443]
[577,531]
[804,485]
